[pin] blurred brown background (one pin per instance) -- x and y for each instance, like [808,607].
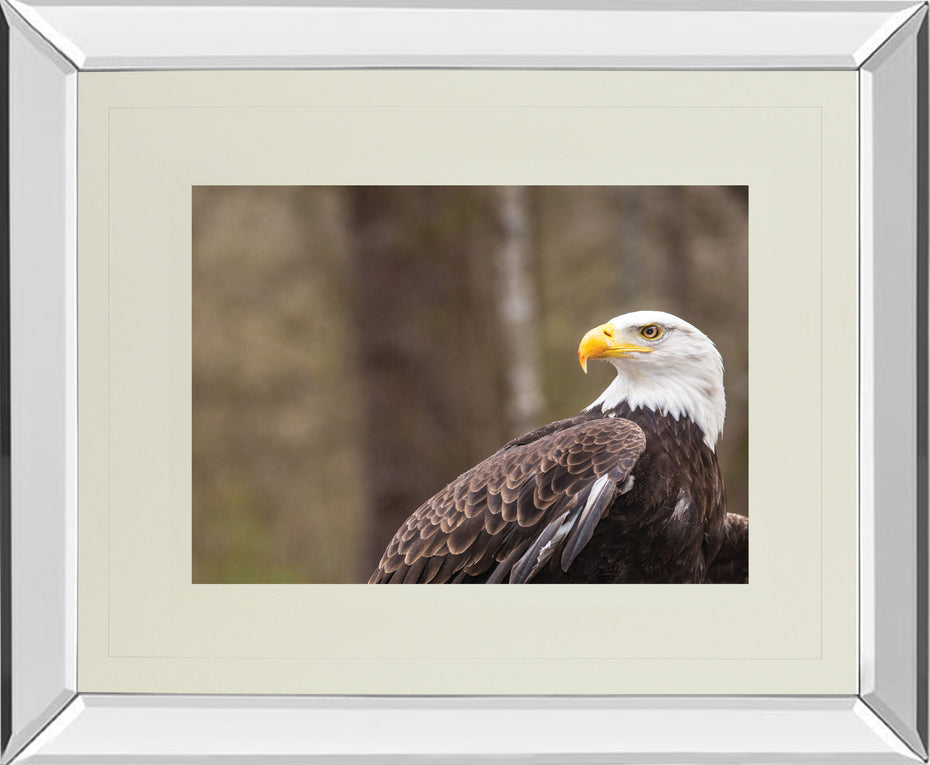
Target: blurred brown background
[356,348]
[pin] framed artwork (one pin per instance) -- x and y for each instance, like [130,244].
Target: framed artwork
[276,275]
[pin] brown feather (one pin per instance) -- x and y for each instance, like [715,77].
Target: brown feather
[496,509]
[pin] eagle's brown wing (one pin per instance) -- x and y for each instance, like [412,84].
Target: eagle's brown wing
[731,566]
[504,519]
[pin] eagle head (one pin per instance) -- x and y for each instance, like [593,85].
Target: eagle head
[663,363]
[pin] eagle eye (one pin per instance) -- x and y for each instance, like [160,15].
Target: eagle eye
[651,332]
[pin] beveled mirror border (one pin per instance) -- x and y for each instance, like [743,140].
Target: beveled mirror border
[49,44]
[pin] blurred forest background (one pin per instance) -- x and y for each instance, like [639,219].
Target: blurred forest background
[356,348]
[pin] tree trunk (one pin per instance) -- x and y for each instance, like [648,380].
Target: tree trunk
[428,353]
[518,309]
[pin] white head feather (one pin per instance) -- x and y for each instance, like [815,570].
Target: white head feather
[681,376]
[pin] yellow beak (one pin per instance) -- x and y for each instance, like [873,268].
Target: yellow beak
[600,343]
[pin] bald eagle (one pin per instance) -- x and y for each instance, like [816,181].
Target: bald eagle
[628,491]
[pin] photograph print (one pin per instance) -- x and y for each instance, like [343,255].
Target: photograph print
[470,385]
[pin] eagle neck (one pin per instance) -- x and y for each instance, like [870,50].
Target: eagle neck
[702,402]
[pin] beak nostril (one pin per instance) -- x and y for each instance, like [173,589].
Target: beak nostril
[608,333]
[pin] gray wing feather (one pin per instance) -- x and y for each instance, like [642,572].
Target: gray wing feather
[540,550]
[599,499]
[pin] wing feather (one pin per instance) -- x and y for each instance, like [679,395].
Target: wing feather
[507,517]
[431,568]
[598,500]
[540,551]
